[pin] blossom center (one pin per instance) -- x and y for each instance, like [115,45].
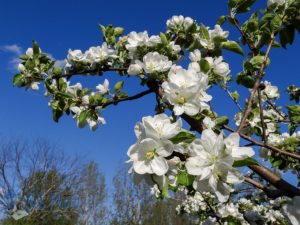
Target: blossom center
[150,155]
[181,100]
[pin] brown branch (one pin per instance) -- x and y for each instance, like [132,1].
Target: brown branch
[233,99]
[255,87]
[139,95]
[261,114]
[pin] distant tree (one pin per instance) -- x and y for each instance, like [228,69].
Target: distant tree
[133,204]
[92,195]
[40,180]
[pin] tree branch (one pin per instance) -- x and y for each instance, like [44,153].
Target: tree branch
[255,87]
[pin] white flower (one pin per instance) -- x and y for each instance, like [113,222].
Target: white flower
[21,68]
[279,2]
[29,52]
[208,123]
[85,100]
[186,91]
[154,62]
[158,127]
[136,39]
[155,191]
[232,143]
[217,32]
[218,66]
[270,91]
[147,156]
[229,210]
[292,210]
[135,69]
[93,124]
[275,139]
[74,88]
[103,88]
[177,22]
[195,56]
[212,163]
[194,66]
[175,48]
[75,56]
[99,54]
[153,40]
[35,86]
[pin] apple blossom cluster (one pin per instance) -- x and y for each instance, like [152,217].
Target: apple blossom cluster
[94,57]
[186,90]
[243,211]
[209,42]
[152,62]
[217,69]
[209,160]
[177,23]
[253,125]
[269,92]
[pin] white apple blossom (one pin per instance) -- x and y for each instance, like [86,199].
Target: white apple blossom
[29,52]
[217,32]
[135,69]
[154,62]
[211,161]
[194,66]
[279,2]
[186,91]
[75,56]
[147,156]
[103,88]
[140,39]
[99,54]
[158,127]
[72,89]
[195,56]
[292,210]
[178,22]
[93,124]
[35,86]
[219,67]
[21,68]
[208,123]
[175,48]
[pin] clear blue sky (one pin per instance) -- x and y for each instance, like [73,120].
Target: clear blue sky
[62,24]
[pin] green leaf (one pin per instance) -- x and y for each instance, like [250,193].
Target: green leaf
[35,47]
[183,136]
[222,20]
[244,6]
[165,190]
[222,120]
[235,95]
[232,46]
[82,118]
[19,80]
[287,35]
[56,114]
[204,65]
[57,71]
[245,162]
[204,32]
[257,61]
[276,23]
[246,80]
[163,38]
[118,86]
[185,179]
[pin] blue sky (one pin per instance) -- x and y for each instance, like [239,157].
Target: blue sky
[62,24]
